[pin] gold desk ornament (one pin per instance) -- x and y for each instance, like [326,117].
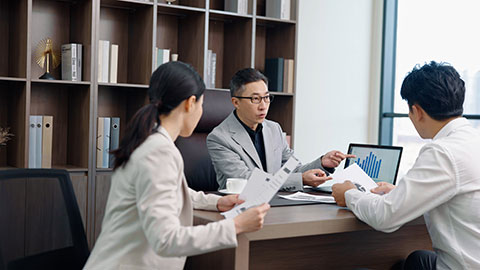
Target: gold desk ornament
[43,53]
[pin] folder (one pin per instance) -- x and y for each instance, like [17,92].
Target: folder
[38,141]
[32,139]
[106,141]
[114,138]
[47,136]
[100,142]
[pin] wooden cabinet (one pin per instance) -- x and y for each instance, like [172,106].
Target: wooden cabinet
[188,28]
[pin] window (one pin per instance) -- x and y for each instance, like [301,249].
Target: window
[416,32]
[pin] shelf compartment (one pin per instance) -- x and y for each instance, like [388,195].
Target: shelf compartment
[187,3]
[231,39]
[219,6]
[13,115]
[281,111]
[64,22]
[129,25]
[13,30]
[262,10]
[274,41]
[69,105]
[120,102]
[183,33]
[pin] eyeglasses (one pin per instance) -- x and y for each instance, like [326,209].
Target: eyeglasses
[258,99]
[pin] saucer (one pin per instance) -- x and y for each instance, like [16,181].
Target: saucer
[225,191]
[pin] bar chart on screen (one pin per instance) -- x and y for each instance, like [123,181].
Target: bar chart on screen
[370,164]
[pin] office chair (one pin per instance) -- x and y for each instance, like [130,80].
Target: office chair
[40,223]
[198,166]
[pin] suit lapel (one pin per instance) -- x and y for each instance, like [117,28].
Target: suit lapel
[269,151]
[240,136]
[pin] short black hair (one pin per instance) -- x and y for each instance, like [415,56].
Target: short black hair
[437,88]
[244,76]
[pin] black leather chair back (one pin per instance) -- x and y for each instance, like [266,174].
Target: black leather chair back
[199,170]
[40,223]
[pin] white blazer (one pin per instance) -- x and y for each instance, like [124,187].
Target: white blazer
[149,213]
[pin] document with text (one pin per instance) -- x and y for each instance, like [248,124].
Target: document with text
[357,176]
[302,196]
[261,187]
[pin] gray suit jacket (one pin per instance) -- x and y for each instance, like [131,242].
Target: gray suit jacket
[234,155]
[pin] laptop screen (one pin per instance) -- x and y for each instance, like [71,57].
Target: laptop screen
[380,162]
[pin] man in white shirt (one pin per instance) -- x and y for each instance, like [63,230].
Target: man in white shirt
[443,184]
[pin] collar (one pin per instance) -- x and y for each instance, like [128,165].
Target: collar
[247,128]
[451,127]
[164,132]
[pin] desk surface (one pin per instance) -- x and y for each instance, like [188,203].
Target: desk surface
[300,220]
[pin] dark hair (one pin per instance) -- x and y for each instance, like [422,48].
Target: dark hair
[170,84]
[437,88]
[243,77]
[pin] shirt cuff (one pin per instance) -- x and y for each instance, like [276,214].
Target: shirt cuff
[212,201]
[352,196]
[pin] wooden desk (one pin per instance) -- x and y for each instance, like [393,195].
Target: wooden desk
[319,236]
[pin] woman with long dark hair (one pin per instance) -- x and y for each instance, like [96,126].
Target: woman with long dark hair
[148,222]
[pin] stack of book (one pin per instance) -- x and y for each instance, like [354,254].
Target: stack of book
[72,62]
[211,69]
[162,56]
[108,132]
[107,62]
[280,73]
[237,6]
[40,141]
[278,9]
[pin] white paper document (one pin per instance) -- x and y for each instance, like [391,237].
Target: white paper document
[261,187]
[302,196]
[356,175]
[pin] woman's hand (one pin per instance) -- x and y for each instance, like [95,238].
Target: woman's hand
[252,219]
[226,203]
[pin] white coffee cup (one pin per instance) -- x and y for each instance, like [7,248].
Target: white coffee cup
[236,185]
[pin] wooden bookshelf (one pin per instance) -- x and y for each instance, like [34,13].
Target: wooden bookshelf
[187,27]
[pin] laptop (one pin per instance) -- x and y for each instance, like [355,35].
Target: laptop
[380,162]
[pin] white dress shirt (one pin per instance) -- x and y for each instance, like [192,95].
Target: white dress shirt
[149,214]
[444,186]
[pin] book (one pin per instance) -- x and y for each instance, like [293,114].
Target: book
[38,141]
[32,140]
[100,130]
[163,56]
[213,69]
[114,138]
[208,78]
[47,138]
[106,142]
[274,73]
[288,72]
[70,61]
[113,63]
[79,61]
[103,60]
[237,6]
[278,9]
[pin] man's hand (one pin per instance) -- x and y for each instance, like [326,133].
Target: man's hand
[383,188]
[226,203]
[338,192]
[333,158]
[315,177]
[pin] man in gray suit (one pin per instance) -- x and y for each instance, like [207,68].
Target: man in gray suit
[246,140]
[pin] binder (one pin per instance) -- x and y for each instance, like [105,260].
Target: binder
[106,141]
[32,139]
[47,136]
[114,138]
[38,141]
[100,142]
